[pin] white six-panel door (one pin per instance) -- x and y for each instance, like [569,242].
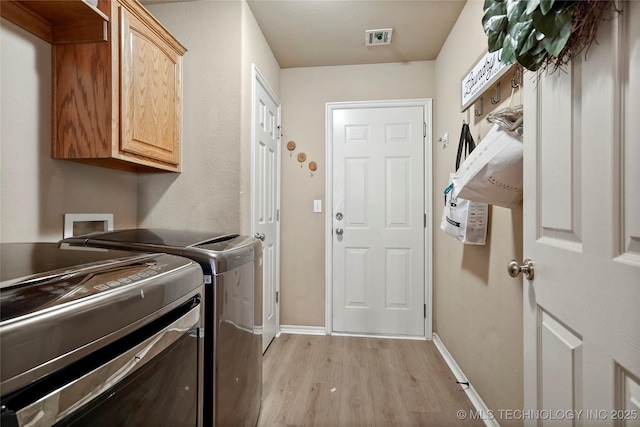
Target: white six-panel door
[378,220]
[266,173]
[582,231]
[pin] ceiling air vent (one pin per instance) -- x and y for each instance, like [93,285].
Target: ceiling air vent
[377,37]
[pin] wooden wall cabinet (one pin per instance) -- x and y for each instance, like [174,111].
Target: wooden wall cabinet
[150,93]
[69,21]
[117,103]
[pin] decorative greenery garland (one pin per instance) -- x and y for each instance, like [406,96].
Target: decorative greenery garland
[542,33]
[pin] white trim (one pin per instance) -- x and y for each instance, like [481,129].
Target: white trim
[386,337]
[320,330]
[471,392]
[426,103]
[301,330]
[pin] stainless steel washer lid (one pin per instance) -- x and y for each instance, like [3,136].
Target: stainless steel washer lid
[52,319]
[20,262]
[149,239]
[215,252]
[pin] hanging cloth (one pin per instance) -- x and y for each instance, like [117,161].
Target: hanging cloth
[509,118]
[463,219]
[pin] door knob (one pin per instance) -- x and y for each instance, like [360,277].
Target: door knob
[339,231]
[526,268]
[259,236]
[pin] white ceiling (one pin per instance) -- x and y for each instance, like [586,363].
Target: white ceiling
[315,33]
[311,33]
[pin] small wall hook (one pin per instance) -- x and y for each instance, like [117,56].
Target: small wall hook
[516,80]
[291,146]
[478,112]
[301,158]
[497,98]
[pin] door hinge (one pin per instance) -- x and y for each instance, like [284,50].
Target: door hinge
[279,132]
[424,129]
[277,214]
[425,311]
[277,296]
[425,220]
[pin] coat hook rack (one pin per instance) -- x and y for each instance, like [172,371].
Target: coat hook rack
[478,112]
[497,98]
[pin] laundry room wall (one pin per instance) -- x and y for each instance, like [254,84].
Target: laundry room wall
[304,94]
[213,192]
[36,190]
[206,194]
[477,306]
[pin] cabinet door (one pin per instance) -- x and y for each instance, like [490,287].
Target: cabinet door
[150,115]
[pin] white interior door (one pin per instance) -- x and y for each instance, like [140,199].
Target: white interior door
[378,220]
[266,198]
[582,231]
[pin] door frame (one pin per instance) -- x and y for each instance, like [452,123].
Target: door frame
[426,103]
[258,79]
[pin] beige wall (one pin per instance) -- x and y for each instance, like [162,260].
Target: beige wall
[478,307]
[223,41]
[206,194]
[36,190]
[304,94]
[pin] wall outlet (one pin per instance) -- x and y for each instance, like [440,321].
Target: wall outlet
[317,206]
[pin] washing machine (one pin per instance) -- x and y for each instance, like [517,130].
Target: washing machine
[107,337]
[232,274]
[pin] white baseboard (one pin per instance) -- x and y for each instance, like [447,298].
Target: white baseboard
[471,392]
[302,330]
[320,330]
[385,337]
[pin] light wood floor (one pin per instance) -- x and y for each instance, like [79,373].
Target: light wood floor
[348,381]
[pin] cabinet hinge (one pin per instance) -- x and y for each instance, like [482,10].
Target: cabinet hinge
[277,296]
[425,311]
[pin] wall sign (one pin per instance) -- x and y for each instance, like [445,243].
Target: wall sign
[485,72]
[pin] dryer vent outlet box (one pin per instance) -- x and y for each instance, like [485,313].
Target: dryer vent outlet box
[377,37]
